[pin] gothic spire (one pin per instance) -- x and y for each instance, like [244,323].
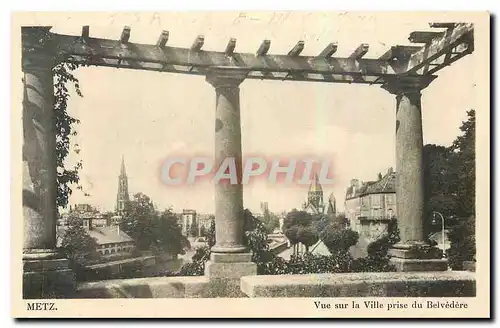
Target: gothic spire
[123,173]
[315,185]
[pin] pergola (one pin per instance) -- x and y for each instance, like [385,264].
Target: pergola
[404,70]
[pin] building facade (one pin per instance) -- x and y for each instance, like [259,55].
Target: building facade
[369,206]
[188,219]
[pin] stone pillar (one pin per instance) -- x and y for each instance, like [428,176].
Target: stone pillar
[46,274]
[411,253]
[229,259]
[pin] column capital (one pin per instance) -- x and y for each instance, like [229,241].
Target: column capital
[38,47]
[228,77]
[401,85]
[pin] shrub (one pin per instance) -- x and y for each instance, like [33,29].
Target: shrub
[339,240]
[378,258]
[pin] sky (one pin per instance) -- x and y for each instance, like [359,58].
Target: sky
[149,116]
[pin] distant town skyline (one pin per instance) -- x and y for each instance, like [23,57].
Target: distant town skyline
[148,116]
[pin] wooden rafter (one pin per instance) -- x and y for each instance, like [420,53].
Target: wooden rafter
[360,51]
[329,50]
[125,35]
[263,48]
[198,43]
[231,45]
[162,40]
[297,49]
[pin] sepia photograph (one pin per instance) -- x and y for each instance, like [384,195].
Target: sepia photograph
[329,159]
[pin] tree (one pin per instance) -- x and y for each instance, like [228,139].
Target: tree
[270,221]
[169,234]
[211,233]
[462,243]
[255,238]
[464,148]
[193,229]
[77,245]
[150,230]
[439,181]
[299,227]
[203,231]
[137,216]
[308,236]
[339,240]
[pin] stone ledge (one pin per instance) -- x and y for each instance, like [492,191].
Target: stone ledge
[366,284]
[157,287]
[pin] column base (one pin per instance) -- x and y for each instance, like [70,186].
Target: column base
[224,272]
[417,256]
[228,249]
[46,275]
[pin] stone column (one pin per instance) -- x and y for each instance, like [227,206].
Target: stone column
[229,260]
[46,274]
[228,197]
[411,253]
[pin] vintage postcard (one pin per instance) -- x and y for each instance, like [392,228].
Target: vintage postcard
[250,164]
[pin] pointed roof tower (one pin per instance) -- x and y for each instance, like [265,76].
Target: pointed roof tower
[315,185]
[123,173]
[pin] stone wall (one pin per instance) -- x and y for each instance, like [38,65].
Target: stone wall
[366,284]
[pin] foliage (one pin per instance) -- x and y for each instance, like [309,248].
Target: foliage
[301,227]
[449,175]
[211,233]
[64,129]
[193,229]
[270,221]
[150,230]
[339,240]
[308,236]
[463,243]
[77,245]
[255,239]
[464,148]
[439,166]
[197,266]
[377,259]
[203,231]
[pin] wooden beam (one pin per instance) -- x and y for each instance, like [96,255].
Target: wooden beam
[152,55]
[424,37]
[264,48]
[360,51]
[440,46]
[198,43]
[399,52]
[162,40]
[442,25]
[329,50]
[125,35]
[85,32]
[297,49]
[231,44]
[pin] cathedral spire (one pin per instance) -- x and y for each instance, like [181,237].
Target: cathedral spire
[123,172]
[315,186]
[122,197]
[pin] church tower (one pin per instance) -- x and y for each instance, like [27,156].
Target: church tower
[332,206]
[122,196]
[315,194]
